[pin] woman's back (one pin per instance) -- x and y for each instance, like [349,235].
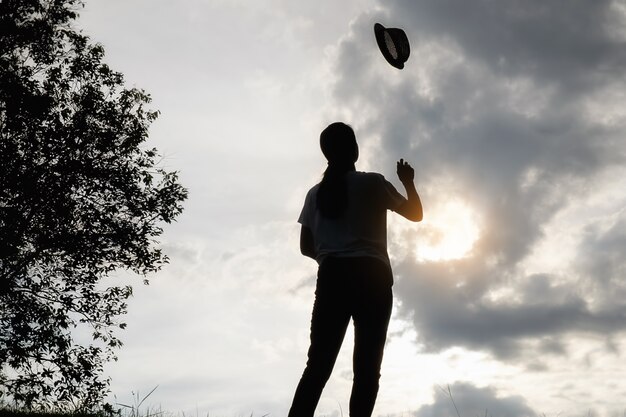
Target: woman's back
[361,230]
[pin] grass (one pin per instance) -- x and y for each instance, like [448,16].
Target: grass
[125,410]
[8,412]
[134,410]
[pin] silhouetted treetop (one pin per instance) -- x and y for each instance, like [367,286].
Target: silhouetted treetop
[80,197]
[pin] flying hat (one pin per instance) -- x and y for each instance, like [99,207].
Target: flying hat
[394,45]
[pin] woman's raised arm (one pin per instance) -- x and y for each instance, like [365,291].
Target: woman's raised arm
[412,208]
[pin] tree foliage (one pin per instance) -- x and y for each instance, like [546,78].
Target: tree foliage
[80,198]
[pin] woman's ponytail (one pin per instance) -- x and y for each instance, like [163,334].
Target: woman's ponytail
[339,146]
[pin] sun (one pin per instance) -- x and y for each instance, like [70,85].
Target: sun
[449,231]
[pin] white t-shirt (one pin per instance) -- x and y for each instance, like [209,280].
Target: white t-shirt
[362,229]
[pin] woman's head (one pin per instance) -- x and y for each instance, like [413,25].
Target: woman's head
[338,144]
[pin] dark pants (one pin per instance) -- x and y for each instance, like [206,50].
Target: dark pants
[357,288]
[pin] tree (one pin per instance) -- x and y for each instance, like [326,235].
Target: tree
[80,198]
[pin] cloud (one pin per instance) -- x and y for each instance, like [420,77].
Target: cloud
[446,315]
[216,321]
[503,106]
[604,246]
[573,47]
[473,401]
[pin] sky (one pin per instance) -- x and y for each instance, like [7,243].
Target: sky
[510,295]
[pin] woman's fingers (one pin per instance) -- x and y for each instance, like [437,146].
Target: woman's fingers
[405,170]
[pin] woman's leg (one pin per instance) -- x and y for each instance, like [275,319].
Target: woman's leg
[329,322]
[372,310]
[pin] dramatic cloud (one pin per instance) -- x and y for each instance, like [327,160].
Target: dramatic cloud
[577,47]
[472,401]
[506,107]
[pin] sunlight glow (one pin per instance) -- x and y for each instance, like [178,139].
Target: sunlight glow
[450,232]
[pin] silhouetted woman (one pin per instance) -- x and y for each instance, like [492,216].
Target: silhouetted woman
[344,228]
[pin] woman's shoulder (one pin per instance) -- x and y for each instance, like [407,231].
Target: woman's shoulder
[367,181]
[313,189]
[367,176]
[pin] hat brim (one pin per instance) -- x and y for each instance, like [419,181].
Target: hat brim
[379,31]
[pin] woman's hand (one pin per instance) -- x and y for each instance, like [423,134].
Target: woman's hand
[412,207]
[405,171]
